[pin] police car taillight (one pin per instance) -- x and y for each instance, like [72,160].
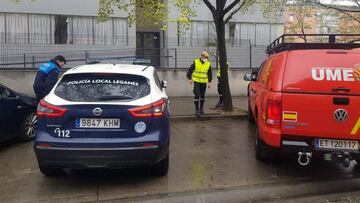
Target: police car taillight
[155,109]
[45,109]
[273,113]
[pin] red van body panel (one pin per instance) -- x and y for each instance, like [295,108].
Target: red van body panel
[307,87]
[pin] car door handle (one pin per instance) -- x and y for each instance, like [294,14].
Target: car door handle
[253,90]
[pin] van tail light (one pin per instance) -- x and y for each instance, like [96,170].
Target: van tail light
[273,113]
[45,109]
[155,109]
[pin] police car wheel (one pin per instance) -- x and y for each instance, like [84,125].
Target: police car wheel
[52,172]
[161,168]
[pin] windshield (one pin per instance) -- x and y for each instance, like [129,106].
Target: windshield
[93,87]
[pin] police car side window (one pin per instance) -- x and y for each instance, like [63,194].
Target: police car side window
[157,80]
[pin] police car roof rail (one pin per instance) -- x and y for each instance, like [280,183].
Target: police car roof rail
[313,41]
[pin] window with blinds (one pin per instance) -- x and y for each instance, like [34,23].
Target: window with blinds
[58,29]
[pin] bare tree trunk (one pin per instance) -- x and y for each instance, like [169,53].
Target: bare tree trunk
[221,46]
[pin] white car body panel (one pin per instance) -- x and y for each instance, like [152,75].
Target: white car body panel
[145,71]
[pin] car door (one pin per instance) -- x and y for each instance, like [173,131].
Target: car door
[10,114]
[254,88]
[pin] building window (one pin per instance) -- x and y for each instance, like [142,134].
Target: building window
[120,31]
[16,26]
[40,29]
[59,29]
[199,34]
[258,34]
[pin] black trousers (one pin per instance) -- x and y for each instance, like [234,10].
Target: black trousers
[219,89]
[199,91]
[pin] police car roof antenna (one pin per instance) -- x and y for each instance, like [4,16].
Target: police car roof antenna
[313,41]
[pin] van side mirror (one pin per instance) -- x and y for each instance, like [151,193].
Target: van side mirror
[250,77]
[163,84]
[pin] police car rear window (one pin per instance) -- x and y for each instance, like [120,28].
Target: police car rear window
[96,87]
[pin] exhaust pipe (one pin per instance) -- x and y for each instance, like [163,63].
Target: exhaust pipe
[304,158]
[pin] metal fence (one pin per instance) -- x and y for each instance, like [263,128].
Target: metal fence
[174,56]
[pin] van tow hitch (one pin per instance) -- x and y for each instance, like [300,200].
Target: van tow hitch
[304,158]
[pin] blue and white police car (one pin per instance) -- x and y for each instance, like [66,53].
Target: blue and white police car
[104,116]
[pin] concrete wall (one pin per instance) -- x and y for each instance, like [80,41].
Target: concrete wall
[21,81]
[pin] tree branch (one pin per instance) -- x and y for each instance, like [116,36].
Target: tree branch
[342,9]
[232,13]
[211,7]
[232,5]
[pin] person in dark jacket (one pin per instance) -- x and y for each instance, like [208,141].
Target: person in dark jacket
[47,76]
[200,74]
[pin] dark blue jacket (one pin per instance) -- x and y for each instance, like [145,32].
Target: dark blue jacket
[46,78]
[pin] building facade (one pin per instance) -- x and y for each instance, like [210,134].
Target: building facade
[33,31]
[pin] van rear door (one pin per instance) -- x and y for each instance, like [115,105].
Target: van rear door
[321,94]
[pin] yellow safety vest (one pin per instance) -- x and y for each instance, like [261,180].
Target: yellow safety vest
[218,72]
[200,74]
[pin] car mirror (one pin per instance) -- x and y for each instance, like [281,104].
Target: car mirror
[250,77]
[163,84]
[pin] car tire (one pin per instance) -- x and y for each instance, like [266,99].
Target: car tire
[251,118]
[161,168]
[52,172]
[263,152]
[28,127]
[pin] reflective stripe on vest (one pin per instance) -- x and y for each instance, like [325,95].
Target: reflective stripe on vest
[200,74]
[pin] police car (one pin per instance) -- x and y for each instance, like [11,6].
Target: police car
[104,116]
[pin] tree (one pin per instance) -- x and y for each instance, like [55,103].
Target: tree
[299,15]
[222,11]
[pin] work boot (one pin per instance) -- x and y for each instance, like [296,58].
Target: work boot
[197,110]
[202,107]
[220,103]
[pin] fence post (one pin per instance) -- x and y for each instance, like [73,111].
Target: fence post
[250,46]
[24,61]
[175,58]
[33,62]
[86,57]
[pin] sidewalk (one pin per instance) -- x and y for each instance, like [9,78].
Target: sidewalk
[184,107]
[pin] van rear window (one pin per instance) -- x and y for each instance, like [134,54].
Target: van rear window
[95,87]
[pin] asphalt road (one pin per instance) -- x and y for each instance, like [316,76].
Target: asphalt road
[210,161]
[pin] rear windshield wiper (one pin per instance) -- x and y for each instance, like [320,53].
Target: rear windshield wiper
[113,97]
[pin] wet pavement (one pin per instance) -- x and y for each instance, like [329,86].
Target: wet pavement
[206,155]
[181,107]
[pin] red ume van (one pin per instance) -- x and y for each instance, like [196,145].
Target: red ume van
[305,98]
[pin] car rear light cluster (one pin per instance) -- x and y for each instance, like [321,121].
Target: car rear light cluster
[155,109]
[45,109]
[273,113]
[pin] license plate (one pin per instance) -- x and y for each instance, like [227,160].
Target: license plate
[336,144]
[97,123]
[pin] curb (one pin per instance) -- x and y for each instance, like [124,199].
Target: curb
[274,192]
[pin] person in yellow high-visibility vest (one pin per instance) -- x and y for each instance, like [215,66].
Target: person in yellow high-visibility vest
[219,88]
[200,74]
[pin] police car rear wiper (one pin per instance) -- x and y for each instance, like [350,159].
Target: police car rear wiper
[113,97]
